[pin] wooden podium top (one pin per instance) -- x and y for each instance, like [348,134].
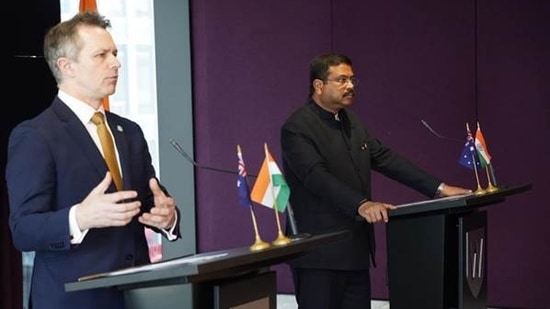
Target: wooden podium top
[456,204]
[203,267]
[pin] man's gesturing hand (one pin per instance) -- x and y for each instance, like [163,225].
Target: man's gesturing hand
[100,209]
[163,212]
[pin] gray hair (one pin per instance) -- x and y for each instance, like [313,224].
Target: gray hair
[63,40]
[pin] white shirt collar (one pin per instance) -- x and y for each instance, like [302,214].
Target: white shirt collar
[83,111]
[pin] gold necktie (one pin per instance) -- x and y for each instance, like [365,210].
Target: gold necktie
[108,148]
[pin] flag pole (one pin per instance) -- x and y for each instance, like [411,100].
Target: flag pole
[259,244]
[480,141]
[281,239]
[479,190]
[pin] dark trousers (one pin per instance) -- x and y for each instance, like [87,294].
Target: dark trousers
[331,289]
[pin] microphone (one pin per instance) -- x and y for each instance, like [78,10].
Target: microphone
[187,157]
[425,124]
[291,220]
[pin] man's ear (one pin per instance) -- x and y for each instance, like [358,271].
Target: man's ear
[65,65]
[318,85]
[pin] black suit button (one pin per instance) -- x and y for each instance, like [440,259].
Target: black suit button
[129,257]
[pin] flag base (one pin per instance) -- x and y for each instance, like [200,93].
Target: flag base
[259,245]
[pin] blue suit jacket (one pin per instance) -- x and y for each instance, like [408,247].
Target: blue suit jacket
[53,164]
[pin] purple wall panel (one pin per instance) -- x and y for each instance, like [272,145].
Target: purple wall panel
[414,63]
[415,60]
[514,109]
[250,72]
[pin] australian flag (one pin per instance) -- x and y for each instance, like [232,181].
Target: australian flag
[468,157]
[242,182]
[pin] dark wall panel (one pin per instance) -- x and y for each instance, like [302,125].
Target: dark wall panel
[32,20]
[32,88]
[26,66]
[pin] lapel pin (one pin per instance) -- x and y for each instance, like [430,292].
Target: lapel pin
[119,128]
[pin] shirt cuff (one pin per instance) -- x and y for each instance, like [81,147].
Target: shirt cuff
[77,236]
[169,233]
[439,190]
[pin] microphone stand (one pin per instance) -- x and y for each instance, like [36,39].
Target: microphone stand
[293,227]
[290,213]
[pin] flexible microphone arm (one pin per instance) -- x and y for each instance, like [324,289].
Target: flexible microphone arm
[187,157]
[425,124]
[290,212]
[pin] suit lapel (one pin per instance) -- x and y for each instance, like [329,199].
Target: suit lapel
[80,138]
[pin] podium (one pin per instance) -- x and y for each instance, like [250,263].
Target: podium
[437,251]
[234,278]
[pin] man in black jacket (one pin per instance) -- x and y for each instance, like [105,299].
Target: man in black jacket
[328,157]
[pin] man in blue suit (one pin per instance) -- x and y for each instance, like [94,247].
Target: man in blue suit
[64,205]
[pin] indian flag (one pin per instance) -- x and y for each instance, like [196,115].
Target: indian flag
[270,188]
[481,148]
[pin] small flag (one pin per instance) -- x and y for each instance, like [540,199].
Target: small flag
[270,188]
[87,5]
[242,181]
[481,147]
[468,155]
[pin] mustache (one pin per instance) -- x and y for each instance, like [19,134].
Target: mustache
[350,92]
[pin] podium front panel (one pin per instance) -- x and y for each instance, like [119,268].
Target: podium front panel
[437,251]
[472,266]
[251,292]
[438,261]
[416,262]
